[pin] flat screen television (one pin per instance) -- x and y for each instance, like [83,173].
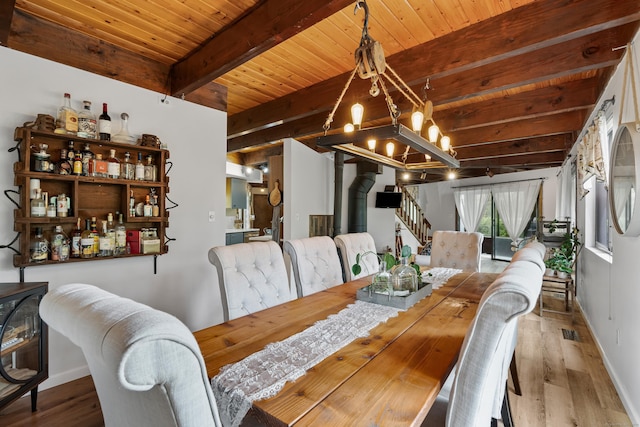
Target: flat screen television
[388,199]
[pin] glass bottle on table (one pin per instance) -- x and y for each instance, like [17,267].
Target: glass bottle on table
[86,241]
[404,277]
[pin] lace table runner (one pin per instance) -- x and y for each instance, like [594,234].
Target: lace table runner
[264,373]
[438,276]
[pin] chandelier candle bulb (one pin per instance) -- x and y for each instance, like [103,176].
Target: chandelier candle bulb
[417,118]
[348,128]
[372,144]
[445,142]
[390,148]
[433,133]
[357,112]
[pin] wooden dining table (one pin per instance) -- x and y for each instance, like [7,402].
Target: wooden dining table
[389,378]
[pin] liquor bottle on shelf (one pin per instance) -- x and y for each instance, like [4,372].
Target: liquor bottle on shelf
[63,166]
[150,171]
[86,241]
[77,163]
[75,241]
[113,168]
[87,124]
[59,245]
[155,208]
[95,235]
[87,160]
[121,238]
[38,206]
[62,205]
[39,248]
[139,175]
[67,121]
[51,207]
[105,241]
[104,124]
[132,205]
[100,166]
[111,231]
[127,169]
[147,209]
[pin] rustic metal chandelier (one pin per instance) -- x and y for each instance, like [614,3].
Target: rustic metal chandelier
[371,64]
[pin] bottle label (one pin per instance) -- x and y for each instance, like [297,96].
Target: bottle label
[104,126]
[87,127]
[38,210]
[113,170]
[121,238]
[140,172]
[39,251]
[86,247]
[75,246]
[105,244]
[71,122]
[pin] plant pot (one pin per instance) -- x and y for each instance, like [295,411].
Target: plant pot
[549,272]
[562,274]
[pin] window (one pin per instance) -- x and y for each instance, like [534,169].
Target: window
[601,214]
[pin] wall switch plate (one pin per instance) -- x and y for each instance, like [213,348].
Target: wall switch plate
[212,216]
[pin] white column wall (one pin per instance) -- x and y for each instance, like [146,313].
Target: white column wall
[186,284]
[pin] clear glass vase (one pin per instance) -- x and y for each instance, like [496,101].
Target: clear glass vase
[405,277]
[382,281]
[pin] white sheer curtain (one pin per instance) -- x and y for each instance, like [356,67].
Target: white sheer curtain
[564,206]
[515,202]
[470,202]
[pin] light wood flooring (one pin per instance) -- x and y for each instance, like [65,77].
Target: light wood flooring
[564,382]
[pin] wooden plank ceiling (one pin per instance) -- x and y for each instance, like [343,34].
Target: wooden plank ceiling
[512,81]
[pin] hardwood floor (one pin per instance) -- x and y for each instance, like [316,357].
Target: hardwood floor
[564,382]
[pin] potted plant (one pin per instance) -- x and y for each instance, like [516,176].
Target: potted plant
[550,264]
[562,258]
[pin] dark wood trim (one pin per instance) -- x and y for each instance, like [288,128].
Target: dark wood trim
[6,16]
[269,24]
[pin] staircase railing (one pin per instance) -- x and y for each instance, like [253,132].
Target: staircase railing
[412,215]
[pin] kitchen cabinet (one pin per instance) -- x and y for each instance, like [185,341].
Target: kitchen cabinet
[90,195]
[23,341]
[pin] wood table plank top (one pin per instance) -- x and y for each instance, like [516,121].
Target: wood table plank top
[368,381]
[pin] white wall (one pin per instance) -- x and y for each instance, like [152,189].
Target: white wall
[186,284]
[608,287]
[309,179]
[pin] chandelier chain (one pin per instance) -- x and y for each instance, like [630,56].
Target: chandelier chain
[327,123]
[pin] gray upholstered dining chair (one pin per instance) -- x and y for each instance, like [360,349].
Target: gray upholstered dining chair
[454,249]
[315,263]
[478,393]
[146,364]
[352,244]
[252,277]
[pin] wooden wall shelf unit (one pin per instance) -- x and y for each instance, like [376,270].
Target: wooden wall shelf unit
[90,196]
[23,336]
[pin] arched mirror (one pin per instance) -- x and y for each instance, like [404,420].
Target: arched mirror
[623,186]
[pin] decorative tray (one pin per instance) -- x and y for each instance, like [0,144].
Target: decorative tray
[402,302]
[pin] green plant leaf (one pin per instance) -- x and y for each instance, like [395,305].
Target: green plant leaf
[356,269]
[405,251]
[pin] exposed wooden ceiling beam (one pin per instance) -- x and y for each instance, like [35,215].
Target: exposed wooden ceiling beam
[530,161]
[57,43]
[267,25]
[6,15]
[569,96]
[507,35]
[540,126]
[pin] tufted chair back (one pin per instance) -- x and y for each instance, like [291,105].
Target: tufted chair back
[315,263]
[352,244]
[146,364]
[477,390]
[532,252]
[456,249]
[252,277]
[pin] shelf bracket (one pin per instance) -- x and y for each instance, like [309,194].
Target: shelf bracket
[155,264]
